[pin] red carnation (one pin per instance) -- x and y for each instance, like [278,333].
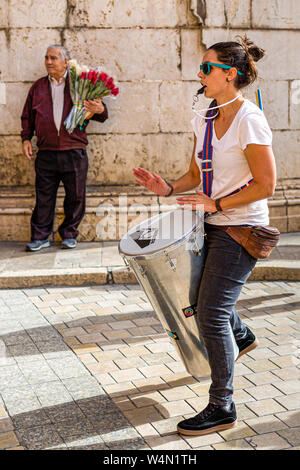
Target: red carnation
[103,77]
[115,91]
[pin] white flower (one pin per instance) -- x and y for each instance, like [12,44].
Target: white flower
[73,63]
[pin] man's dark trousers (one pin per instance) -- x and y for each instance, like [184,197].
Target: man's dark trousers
[70,167]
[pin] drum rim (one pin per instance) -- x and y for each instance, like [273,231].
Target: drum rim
[159,251]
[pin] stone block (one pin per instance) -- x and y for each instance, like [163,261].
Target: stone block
[15,168]
[192,52]
[26,52]
[278,218]
[294,216]
[36,14]
[295,104]
[288,164]
[3,54]
[272,92]
[237,13]
[129,54]
[276,15]
[126,14]
[176,105]
[135,110]
[282,45]
[113,157]
[16,94]
[230,13]
[4,14]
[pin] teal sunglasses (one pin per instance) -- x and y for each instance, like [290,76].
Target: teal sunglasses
[206,67]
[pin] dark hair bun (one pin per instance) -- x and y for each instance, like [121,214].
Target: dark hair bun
[251,49]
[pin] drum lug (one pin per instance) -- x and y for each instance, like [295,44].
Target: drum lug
[126,263]
[170,262]
[142,270]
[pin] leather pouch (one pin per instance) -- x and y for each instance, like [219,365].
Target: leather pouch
[258,241]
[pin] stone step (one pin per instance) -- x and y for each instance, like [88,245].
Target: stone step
[99,263]
[112,211]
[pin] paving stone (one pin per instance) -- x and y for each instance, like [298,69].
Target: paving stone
[123,375]
[83,387]
[30,419]
[74,426]
[120,389]
[290,402]
[265,424]
[151,383]
[168,425]
[154,371]
[11,376]
[91,442]
[236,444]
[261,378]
[265,407]
[270,441]
[39,437]
[147,398]
[174,393]
[8,439]
[241,430]
[64,411]
[290,418]
[263,391]
[175,408]
[6,425]
[52,393]
[291,386]
[168,443]
[148,414]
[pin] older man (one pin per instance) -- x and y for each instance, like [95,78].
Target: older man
[61,156]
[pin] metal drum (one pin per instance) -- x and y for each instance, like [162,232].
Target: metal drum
[163,252]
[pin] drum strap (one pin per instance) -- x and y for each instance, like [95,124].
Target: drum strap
[206,159]
[206,162]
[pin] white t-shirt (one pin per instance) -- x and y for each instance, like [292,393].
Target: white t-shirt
[230,166]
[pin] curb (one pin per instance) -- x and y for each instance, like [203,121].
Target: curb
[264,271]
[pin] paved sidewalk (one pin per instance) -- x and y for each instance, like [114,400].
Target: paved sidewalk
[92,368]
[100,263]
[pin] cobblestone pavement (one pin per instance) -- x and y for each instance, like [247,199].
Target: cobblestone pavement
[92,368]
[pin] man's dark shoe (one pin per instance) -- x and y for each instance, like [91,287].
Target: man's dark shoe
[37,245]
[69,243]
[246,344]
[213,418]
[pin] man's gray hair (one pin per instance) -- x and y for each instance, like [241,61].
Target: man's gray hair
[65,54]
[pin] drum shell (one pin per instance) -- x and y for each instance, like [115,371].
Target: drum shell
[171,280]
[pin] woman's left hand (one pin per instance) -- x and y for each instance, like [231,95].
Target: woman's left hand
[199,201]
[94,106]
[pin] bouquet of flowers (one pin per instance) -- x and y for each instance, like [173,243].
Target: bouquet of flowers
[86,84]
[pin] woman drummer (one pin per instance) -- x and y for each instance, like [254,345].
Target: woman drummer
[244,176]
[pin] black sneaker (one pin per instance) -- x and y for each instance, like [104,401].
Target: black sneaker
[212,419]
[246,344]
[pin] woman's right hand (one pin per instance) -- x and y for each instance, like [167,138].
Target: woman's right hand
[153,182]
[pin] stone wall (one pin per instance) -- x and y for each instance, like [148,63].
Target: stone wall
[153,48]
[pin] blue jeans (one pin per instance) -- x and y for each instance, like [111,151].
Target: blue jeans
[226,267]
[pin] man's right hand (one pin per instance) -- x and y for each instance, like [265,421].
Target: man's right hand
[27,149]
